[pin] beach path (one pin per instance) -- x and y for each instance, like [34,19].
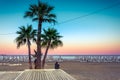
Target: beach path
[44,74]
[8,75]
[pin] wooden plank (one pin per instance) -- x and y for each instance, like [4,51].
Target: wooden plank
[44,74]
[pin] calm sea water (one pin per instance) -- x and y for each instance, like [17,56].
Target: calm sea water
[71,57]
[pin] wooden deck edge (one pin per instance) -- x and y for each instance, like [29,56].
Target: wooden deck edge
[45,70]
[19,75]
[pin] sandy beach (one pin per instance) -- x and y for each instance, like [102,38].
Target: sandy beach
[80,71]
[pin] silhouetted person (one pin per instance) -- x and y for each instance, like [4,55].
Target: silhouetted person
[57,65]
[35,62]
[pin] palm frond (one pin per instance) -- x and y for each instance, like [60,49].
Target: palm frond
[50,21]
[28,14]
[51,35]
[25,35]
[50,8]
[43,11]
[33,11]
[35,19]
[50,15]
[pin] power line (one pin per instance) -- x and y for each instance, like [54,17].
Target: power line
[8,33]
[86,15]
[83,16]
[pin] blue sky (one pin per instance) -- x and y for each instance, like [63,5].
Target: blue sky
[86,32]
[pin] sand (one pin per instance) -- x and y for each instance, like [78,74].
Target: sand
[8,75]
[80,71]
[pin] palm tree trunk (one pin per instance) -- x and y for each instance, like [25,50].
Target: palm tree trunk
[29,54]
[43,62]
[38,63]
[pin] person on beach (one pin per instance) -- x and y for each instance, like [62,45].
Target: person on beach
[57,65]
[35,62]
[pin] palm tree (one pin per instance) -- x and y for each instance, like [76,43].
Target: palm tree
[50,39]
[24,37]
[41,13]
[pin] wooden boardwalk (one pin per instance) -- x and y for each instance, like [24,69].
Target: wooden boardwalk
[44,74]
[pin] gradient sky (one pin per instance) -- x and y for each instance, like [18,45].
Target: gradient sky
[97,33]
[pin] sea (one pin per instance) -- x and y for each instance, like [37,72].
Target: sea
[80,58]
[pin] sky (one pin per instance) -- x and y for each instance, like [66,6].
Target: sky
[88,27]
